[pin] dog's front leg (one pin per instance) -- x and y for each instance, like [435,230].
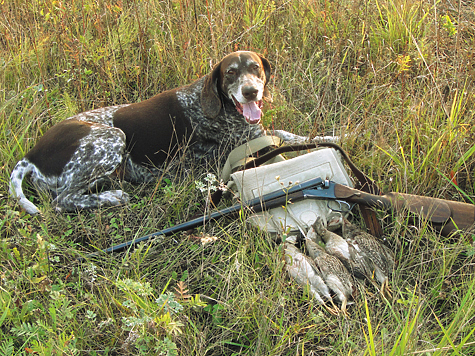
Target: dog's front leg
[292,139]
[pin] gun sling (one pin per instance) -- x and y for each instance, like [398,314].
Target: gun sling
[366,184]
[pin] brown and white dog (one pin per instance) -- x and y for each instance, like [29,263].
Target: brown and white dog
[209,117]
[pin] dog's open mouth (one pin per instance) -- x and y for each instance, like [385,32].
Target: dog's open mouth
[251,111]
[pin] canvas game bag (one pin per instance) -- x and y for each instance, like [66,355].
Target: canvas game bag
[281,174]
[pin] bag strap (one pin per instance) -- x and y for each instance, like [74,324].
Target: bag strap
[242,154]
[366,184]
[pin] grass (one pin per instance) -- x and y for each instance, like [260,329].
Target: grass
[396,75]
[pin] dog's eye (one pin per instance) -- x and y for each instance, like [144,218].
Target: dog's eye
[255,67]
[231,71]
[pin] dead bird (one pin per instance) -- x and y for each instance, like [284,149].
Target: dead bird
[334,273]
[355,262]
[303,270]
[382,259]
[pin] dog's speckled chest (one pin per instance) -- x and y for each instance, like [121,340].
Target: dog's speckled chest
[214,138]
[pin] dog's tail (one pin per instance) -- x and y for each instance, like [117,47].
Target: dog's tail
[21,169]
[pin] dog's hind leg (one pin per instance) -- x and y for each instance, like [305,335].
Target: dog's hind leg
[83,200]
[97,157]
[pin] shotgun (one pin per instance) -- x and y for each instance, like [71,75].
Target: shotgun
[444,215]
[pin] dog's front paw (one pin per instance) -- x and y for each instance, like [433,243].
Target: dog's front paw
[331,139]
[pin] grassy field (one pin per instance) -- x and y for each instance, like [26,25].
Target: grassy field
[396,76]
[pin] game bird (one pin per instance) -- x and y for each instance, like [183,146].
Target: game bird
[334,273]
[304,271]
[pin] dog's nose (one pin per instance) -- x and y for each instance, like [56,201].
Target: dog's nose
[249,92]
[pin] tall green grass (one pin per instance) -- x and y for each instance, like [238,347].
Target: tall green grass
[396,76]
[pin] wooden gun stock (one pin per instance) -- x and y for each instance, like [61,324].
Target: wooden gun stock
[444,215]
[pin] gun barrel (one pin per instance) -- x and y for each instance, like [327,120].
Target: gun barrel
[268,201]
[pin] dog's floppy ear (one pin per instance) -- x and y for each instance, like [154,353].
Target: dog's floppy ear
[267,71]
[210,100]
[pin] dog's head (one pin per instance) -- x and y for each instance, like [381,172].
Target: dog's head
[240,77]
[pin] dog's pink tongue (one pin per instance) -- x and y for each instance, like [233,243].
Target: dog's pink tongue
[251,112]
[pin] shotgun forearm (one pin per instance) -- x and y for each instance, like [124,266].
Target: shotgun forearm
[445,215]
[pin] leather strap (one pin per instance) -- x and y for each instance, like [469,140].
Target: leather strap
[242,154]
[366,184]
